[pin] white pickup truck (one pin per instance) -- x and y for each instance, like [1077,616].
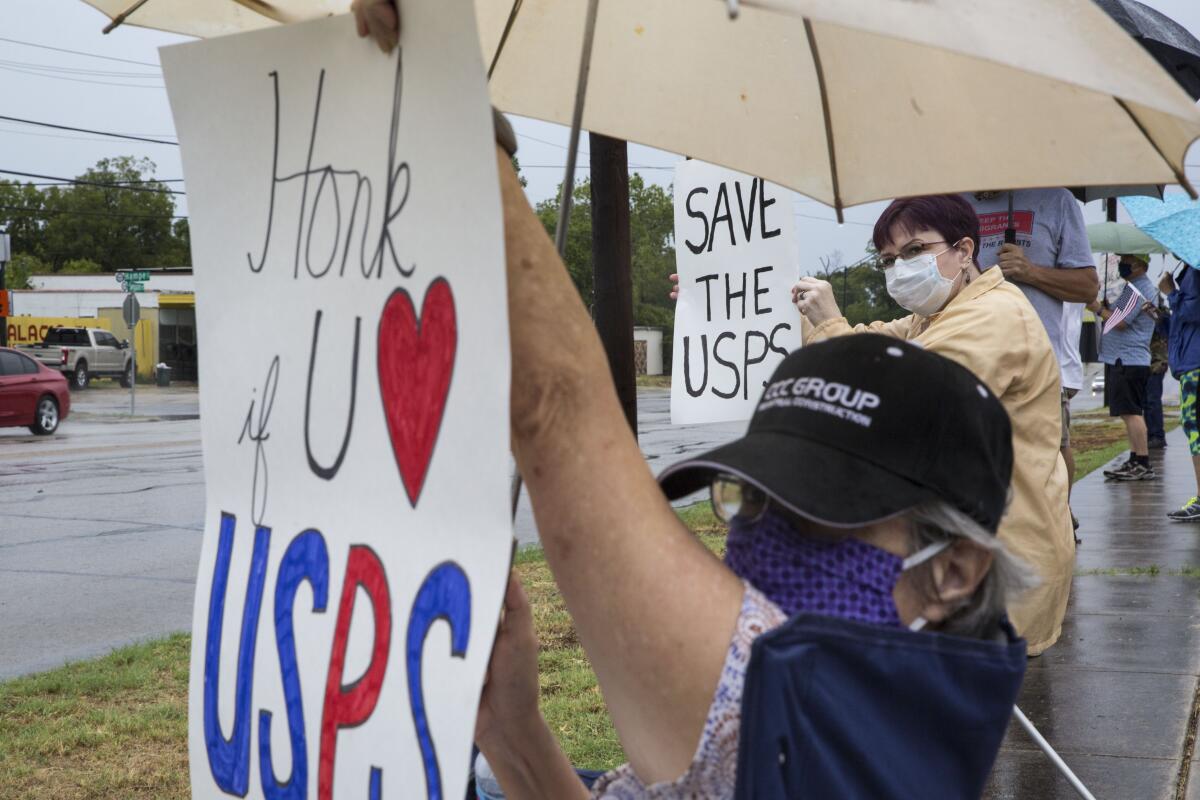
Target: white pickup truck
[83,353]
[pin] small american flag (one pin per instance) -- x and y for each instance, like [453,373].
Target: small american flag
[1125,309]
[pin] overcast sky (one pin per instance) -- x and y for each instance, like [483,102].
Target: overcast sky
[129,98]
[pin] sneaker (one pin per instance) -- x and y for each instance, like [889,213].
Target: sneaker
[1137,472]
[1189,513]
[1157,443]
[1120,472]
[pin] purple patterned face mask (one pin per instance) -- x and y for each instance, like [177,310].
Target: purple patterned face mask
[846,578]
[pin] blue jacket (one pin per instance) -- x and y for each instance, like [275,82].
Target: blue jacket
[1183,344]
[836,709]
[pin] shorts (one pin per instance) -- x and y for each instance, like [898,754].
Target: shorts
[1067,394]
[1125,386]
[1189,382]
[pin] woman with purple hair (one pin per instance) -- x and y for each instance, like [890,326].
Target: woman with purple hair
[927,250]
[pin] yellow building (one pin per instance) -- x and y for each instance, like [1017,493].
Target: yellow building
[166,333]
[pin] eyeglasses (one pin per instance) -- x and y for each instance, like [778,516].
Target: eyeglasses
[734,499]
[908,253]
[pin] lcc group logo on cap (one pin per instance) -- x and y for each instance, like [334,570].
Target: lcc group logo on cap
[826,397]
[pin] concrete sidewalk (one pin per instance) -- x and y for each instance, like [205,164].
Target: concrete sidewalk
[1115,696]
[109,401]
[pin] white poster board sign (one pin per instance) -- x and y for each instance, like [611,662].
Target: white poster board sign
[354,383]
[734,321]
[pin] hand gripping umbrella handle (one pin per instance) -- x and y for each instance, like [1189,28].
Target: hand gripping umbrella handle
[1054,757]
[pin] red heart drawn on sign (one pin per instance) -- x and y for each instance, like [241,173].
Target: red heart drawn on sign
[416,360]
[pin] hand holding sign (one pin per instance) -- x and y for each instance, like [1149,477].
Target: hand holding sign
[378,19]
[814,299]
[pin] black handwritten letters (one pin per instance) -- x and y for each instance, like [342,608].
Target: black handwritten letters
[255,429]
[326,184]
[733,294]
[318,469]
[722,214]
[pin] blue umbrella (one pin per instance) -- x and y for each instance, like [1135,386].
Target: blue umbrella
[1173,221]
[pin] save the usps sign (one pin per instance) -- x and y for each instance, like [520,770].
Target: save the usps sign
[734,320]
[348,247]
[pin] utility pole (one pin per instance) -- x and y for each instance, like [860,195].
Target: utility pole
[612,265]
[5,257]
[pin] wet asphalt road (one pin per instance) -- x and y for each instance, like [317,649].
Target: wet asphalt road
[100,528]
[100,524]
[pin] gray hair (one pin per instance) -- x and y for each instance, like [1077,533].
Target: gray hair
[1009,576]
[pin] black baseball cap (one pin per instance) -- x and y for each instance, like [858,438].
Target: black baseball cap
[861,428]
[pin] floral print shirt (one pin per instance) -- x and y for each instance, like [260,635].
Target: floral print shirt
[713,772]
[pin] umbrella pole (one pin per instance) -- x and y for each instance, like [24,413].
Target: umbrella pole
[1054,757]
[1010,233]
[119,18]
[568,184]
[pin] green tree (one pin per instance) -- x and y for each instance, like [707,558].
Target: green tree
[517,169]
[16,274]
[652,245]
[81,266]
[118,216]
[22,209]
[860,289]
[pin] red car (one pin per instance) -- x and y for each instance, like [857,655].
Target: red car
[31,395]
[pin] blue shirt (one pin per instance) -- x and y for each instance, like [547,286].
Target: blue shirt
[1130,345]
[1183,342]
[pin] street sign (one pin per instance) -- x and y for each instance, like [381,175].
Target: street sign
[135,286]
[131,310]
[133,275]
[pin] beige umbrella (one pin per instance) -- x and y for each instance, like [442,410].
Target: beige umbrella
[205,18]
[844,101]
[849,102]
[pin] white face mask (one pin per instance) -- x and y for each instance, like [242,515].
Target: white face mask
[918,285]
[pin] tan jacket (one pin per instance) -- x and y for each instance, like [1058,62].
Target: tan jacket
[992,330]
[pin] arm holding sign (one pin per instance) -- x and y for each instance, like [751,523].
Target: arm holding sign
[814,300]
[653,608]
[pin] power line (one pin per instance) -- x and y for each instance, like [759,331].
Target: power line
[79,80]
[582,167]
[44,135]
[827,219]
[39,213]
[102,73]
[87,130]
[78,182]
[58,182]
[79,53]
[581,151]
